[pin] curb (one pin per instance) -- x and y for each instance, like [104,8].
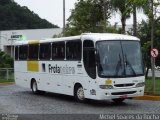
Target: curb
[148,97]
[7,83]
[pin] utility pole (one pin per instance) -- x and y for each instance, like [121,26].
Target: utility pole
[152,46]
[134,20]
[64,17]
[104,15]
[0,42]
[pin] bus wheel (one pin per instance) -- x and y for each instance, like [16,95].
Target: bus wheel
[79,94]
[118,100]
[34,87]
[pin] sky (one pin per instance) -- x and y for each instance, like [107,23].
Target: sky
[52,10]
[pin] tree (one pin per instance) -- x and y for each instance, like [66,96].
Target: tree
[6,60]
[136,5]
[106,12]
[4,2]
[86,17]
[123,7]
[144,30]
[13,16]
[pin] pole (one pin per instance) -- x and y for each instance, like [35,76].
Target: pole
[134,21]
[11,47]
[104,15]
[152,42]
[0,41]
[64,18]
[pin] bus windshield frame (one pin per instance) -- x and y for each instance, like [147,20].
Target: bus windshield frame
[119,59]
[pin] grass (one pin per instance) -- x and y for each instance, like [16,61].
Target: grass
[149,86]
[4,81]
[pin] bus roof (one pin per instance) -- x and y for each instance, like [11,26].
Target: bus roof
[85,36]
[108,36]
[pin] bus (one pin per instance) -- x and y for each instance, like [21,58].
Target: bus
[98,66]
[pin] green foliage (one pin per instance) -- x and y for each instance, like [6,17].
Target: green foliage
[146,54]
[13,16]
[124,8]
[144,33]
[112,29]
[138,3]
[147,8]
[6,81]
[4,2]
[6,60]
[86,17]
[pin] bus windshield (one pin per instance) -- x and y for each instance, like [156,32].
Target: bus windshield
[119,59]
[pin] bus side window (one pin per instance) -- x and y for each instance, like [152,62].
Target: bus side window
[73,50]
[45,51]
[16,52]
[33,51]
[23,52]
[58,51]
[89,58]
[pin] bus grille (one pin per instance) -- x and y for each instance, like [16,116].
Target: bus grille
[123,93]
[124,85]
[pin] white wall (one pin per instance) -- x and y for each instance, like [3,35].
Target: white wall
[8,37]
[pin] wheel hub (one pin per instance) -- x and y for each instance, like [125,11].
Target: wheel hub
[80,93]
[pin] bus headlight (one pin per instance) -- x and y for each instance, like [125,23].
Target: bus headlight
[140,84]
[106,86]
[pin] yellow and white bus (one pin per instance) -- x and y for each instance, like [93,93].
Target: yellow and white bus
[97,66]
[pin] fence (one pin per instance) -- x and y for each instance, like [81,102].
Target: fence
[6,74]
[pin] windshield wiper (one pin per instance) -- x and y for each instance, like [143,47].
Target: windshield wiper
[127,63]
[119,66]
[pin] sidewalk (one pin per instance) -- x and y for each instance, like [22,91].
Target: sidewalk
[148,97]
[7,83]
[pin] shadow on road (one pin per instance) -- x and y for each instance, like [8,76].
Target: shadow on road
[70,99]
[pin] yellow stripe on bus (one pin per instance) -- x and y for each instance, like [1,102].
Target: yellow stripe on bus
[33,41]
[33,66]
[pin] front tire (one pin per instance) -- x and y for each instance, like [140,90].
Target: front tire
[79,94]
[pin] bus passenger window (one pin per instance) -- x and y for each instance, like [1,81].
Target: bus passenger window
[23,52]
[45,51]
[33,51]
[73,50]
[58,51]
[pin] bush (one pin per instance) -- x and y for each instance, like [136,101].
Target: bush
[6,60]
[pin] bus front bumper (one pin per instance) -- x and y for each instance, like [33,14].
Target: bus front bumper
[105,94]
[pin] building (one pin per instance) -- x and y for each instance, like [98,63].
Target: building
[8,37]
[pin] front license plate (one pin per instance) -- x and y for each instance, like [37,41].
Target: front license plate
[123,96]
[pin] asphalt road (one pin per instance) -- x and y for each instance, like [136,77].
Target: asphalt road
[20,101]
